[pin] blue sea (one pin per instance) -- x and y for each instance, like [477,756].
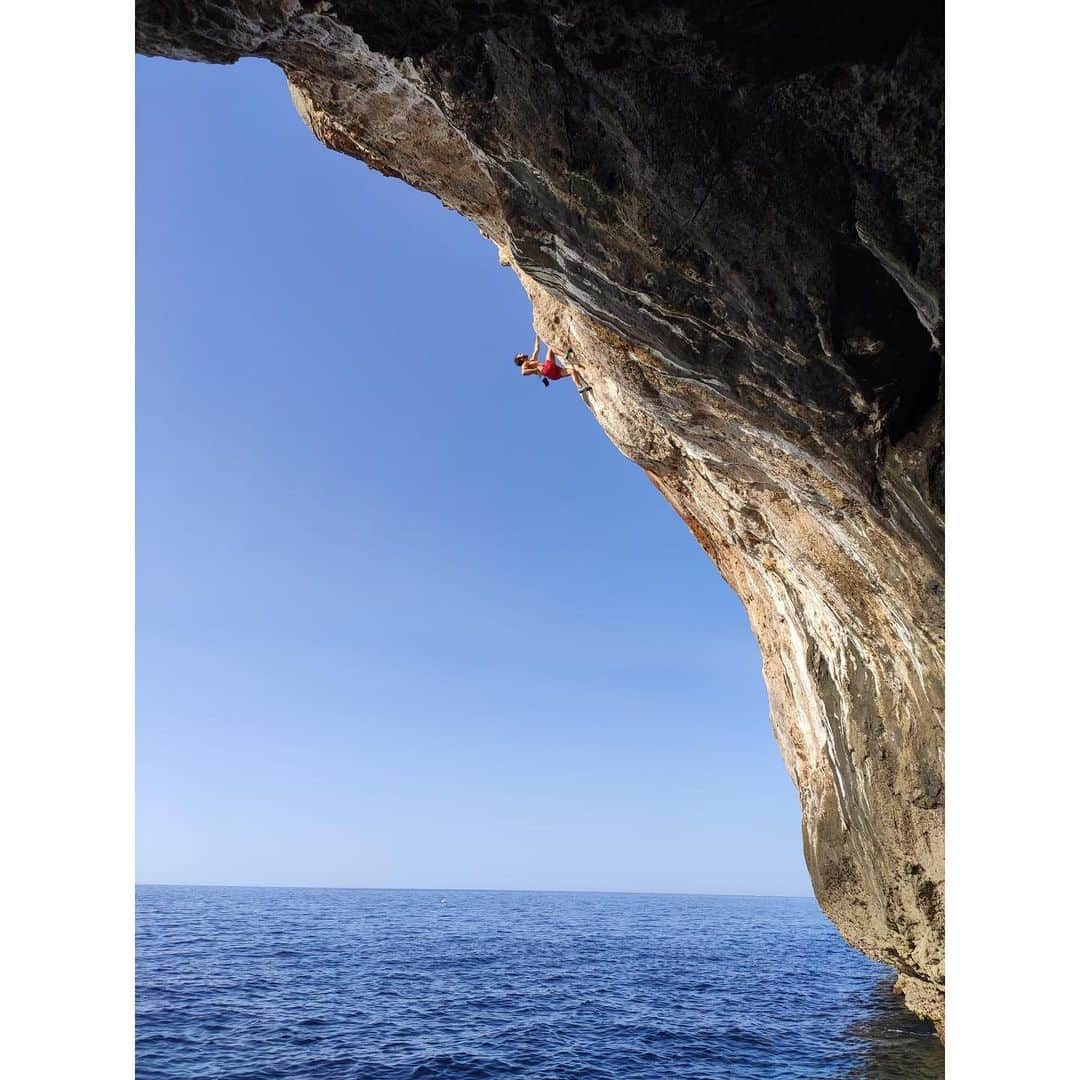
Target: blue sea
[355,983]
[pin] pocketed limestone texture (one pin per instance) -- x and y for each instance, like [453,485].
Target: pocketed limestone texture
[733,213]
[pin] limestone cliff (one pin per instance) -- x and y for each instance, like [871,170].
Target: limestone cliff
[733,212]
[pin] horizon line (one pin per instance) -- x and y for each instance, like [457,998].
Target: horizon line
[459,889]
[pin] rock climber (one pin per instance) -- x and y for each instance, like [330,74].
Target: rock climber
[552,369]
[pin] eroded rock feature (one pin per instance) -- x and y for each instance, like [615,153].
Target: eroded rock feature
[733,212]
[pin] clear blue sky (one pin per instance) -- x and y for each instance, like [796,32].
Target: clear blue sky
[404,618]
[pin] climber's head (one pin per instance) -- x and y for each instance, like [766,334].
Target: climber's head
[520,358]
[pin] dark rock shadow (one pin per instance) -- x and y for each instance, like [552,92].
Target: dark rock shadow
[894,1043]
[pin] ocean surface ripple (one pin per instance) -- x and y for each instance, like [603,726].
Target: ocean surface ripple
[254,984]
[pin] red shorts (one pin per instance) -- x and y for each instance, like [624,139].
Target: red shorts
[550,370]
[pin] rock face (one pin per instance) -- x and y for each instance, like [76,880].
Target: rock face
[732,211]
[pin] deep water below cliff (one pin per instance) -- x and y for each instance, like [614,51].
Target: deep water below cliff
[381,985]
